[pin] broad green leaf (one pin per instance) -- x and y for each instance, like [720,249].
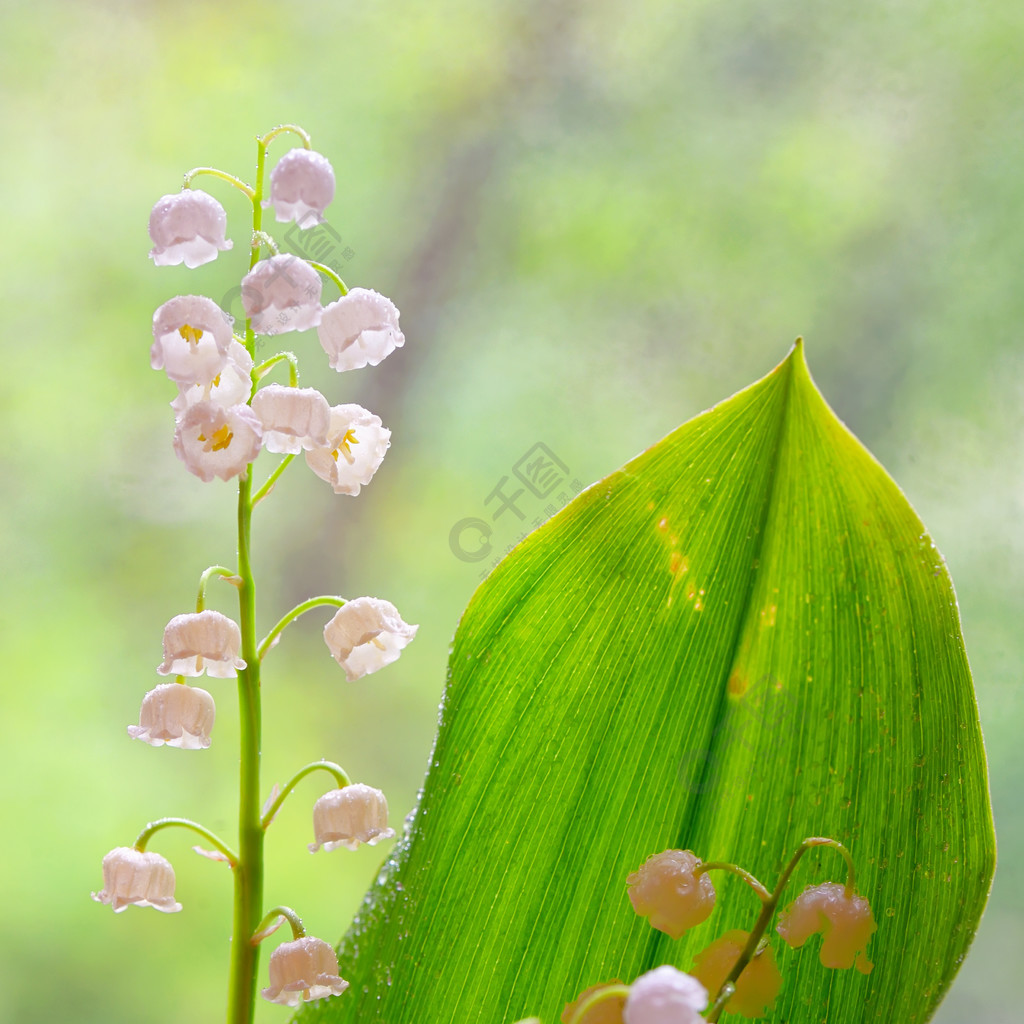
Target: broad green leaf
[742,638]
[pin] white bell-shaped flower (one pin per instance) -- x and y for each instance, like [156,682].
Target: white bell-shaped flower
[665,996]
[191,336]
[199,642]
[145,879]
[282,294]
[349,816]
[359,329]
[292,418]
[180,716]
[214,441]
[356,444]
[667,890]
[302,970]
[301,187]
[232,386]
[188,228]
[366,634]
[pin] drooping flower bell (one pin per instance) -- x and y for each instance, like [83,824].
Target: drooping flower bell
[282,294]
[215,441]
[356,444]
[198,642]
[180,716]
[366,634]
[188,228]
[608,1011]
[349,816]
[666,890]
[232,386]
[292,418]
[359,329]
[758,984]
[191,336]
[665,996]
[145,879]
[303,969]
[845,922]
[301,187]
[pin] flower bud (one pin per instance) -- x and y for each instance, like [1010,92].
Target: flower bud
[180,716]
[366,634]
[666,890]
[200,642]
[282,294]
[349,816]
[845,922]
[359,329]
[292,418]
[608,1011]
[304,969]
[145,879]
[301,187]
[756,987]
[665,996]
[187,228]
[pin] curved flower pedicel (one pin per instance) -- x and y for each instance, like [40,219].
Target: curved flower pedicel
[232,386]
[758,984]
[282,294]
[214,441]
[359,329]
[667,891]
[301,187]
[292,418]
[198,642]
[356,444]
[191,336]
[665,996]
[180,716]
[349,816]
[303,970]
[188,228]
[608,1011]
[366,634]
[131,876]
[844,920]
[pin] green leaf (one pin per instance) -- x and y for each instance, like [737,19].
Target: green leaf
[742,638]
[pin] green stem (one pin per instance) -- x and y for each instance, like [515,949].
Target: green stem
[249,873]
[228,575]
[223,175]
[745,875]
[293,367]
[768,909]
[314,602]
[328,272]
[268,484]
[280,130]
[214,840]
[339,773]
[272,921]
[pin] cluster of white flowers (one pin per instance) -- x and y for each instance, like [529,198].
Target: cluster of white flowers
[224,418]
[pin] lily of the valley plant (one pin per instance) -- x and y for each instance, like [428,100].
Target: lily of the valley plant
[225,417]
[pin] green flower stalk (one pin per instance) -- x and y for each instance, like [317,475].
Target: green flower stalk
[224,419]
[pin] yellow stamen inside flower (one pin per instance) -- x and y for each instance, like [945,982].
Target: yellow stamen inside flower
[219,441]
[190,334]
[378,643]
[342,447]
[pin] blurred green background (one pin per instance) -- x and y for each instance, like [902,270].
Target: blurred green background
[597,219]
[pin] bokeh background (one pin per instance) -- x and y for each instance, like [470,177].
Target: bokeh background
[597,219]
